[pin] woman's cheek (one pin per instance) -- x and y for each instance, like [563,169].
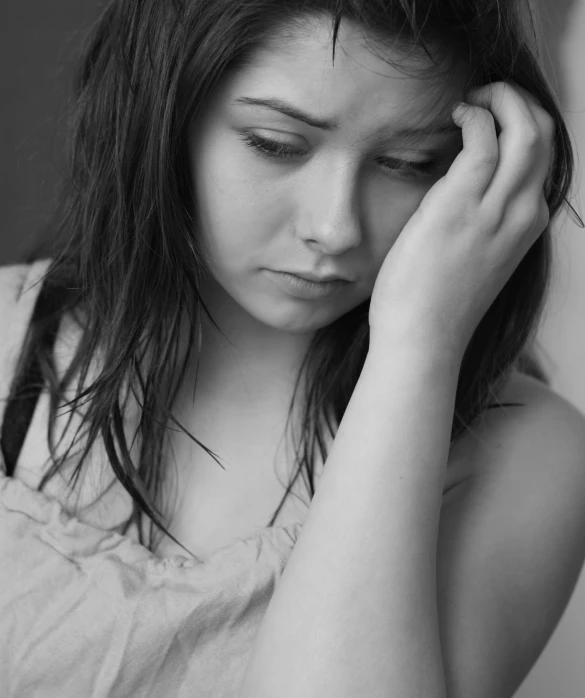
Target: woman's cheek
[389,209]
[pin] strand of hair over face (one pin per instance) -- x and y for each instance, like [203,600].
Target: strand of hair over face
[127,248]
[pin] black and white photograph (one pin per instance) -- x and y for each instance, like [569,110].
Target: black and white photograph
[292,349]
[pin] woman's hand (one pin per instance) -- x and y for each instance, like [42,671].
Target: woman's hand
[472,228]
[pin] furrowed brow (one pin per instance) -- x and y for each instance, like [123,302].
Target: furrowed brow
[441,129]
[289,110]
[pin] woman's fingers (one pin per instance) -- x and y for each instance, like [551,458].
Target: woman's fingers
[525,148]
[473,168]
[546,125]
[501,170]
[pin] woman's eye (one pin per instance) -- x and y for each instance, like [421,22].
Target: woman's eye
[409,168]
[404,168]
[268,148]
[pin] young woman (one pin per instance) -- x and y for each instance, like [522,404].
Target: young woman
[272,424]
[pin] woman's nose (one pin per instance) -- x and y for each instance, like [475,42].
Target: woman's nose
[329,216]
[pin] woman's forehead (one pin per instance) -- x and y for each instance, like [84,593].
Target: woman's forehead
[360,82]
[364,63]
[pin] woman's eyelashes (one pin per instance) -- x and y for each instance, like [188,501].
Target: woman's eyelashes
[276,150]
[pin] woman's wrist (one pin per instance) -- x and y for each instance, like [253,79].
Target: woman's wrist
[416,349]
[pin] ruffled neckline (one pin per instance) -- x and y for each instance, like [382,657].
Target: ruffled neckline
[85,543]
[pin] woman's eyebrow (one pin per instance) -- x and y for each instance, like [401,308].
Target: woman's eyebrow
[279,105]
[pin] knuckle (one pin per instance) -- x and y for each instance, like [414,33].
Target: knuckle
[487,117]
[531,137]
[491,87]
[499,88]
[549,125]
[494,219]
[532,217]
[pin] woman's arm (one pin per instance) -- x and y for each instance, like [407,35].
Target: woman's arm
[355,613]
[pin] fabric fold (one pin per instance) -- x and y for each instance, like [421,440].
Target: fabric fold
[92,612]
[88,611]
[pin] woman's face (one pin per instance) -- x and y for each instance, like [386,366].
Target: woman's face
[277,194]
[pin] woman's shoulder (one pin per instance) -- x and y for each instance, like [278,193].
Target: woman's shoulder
[534,421]
[549,421]
[97,497]
[19,287]
[18,293]
[540,401]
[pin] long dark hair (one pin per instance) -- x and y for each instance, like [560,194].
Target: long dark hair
[125,260]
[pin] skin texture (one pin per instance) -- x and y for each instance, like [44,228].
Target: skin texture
[478,580]
[335,207]
[473,227]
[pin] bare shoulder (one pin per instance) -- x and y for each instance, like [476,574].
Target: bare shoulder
[19,286]
[540,413]
[12,278]
[535,426]
[511,544]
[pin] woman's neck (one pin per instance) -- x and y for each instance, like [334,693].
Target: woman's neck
[252,363]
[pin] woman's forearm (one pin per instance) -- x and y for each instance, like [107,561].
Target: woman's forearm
[355,612]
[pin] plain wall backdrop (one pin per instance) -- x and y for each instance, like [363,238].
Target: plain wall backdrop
[38,40]
[560,670]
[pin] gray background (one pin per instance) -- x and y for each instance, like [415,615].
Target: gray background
[38,42]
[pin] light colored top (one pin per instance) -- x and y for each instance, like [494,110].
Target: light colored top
[86,611]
